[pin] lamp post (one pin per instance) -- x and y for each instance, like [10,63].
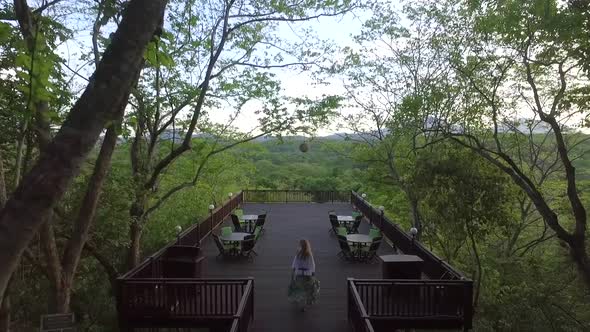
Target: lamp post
[211,207]
[381,208]
[178,229]
[413,232]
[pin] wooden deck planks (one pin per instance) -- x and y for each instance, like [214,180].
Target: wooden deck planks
[286,224]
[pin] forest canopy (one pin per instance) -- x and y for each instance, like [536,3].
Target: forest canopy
[468,120]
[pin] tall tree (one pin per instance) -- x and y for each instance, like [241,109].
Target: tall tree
[515,60]
[394,77]
[217,55]
[47,181]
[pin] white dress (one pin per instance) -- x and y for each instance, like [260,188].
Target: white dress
[303,266]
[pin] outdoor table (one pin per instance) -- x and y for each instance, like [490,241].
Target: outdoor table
[402,266]
[234,237]
[359,239]
[248,219]
[345,221]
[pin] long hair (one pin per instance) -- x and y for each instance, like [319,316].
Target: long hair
[305,249]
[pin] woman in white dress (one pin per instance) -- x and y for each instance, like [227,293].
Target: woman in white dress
[304,288]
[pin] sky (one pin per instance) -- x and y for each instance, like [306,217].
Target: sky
[294,83]
[300,84]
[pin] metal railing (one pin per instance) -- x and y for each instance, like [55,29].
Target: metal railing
[295,196]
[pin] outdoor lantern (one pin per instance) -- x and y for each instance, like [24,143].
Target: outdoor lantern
[364,195]
[381,208]
[211,206]
[303,147]
[413,231]
[230,195]
[178,229]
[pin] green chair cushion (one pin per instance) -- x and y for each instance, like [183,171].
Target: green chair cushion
[374,232]
[226,230]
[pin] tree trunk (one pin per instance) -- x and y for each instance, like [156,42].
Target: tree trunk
[18,163]
[134,254]
[4,302]
[416,217]
[48,180]
[59,298]
[5,314]
[580,256]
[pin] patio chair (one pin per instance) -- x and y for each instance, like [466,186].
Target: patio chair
[334,222]
[260,224]
[369,253]
[257,233]
[341,231]
[345,251]
[248,246]
[226,230]
[236,221]
[374,232]
[354,229]
[224,249]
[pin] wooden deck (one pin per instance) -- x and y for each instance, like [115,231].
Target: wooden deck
[286,224]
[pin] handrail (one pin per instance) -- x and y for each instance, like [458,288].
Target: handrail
[419,302]
[225,210]
[293,196]
[403,239]
[368,327]
[242,306]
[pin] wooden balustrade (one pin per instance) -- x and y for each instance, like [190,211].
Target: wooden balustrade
[245,314]
[401,303]
[201,302]
[434,267]
[295,196]
[357,315]
[163,291]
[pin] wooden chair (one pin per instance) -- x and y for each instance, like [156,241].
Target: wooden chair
[341,231]
[224,249]
[368,254]
[260,224]
[354,229]
[236,221]
[257,233]
[248,246]
[345,251]
[374,232]
[334,222]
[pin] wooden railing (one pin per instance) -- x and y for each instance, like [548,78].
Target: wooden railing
[165,291]
[151,267]
[162,302]
[434,266]
[357,314]
[295,196]
[245,313]
[444,298]
[401,303]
